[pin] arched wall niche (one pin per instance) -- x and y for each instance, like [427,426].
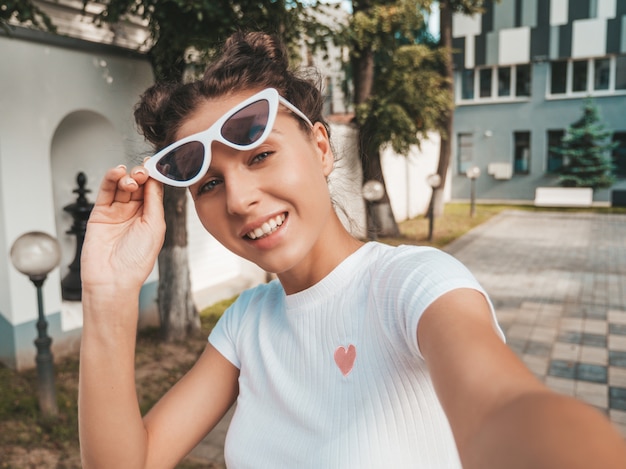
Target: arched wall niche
[87,142]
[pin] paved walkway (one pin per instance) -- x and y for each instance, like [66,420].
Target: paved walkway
[558,282]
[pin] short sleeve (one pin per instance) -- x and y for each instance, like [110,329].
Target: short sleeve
[224,335]
[412,278]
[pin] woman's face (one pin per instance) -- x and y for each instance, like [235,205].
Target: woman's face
[270,205]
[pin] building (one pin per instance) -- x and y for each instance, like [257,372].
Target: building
[522,71]
[66,104]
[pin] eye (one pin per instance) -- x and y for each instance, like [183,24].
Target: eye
[261,157]
[208,186]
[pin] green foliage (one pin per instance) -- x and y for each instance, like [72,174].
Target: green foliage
[382,26]
[408,93]
[409,98]
[177,26]
[411,86]
[24,12]
[586,150]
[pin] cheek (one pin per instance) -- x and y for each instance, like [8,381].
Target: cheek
[211,220]
[304,177]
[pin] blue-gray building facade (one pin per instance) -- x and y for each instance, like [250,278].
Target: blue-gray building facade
[522,72]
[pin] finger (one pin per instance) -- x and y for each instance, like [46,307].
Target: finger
[125,188]
[153,199]
[139,174]
[108,186]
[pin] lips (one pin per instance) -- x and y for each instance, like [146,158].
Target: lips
[267,227]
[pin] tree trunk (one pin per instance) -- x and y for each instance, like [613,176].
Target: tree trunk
[380,219]
[179,316]
[177,311]
[447,119]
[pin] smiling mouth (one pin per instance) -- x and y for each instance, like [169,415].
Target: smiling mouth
[267,228]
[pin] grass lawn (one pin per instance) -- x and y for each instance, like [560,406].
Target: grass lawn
[27,440]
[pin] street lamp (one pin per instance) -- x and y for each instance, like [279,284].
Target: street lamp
[434,181]
[35,254]
[473,173]
[372,192]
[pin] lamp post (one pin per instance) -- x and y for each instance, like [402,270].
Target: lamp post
[473,173]
[434,180]
[35,254]
[372,191]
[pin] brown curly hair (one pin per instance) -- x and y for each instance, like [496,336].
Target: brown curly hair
[252,60]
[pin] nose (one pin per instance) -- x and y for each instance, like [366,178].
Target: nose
[242,192]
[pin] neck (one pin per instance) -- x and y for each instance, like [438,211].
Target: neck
[330,250]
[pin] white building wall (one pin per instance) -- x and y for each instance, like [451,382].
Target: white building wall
[43,85]
[405,177]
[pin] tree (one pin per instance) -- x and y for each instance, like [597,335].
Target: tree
[586,150]
[398,87]
[24,12]
[446,9]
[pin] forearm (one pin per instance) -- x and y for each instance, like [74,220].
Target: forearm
[112,433]
[544,430]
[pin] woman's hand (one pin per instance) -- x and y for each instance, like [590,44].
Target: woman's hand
[125,231]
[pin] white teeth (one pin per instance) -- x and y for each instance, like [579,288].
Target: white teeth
[266,228]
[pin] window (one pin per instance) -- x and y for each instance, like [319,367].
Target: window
[485,82]
[619,154]
[589,76]
[522,80]
[601,74]
[493,83]
[558,80]
[467,84]
[465,144]
[521,152]
[620,72]
[555,160]
[579,76]
[504,81]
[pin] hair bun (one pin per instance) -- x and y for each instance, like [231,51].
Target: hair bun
[244,51]
[256,44]
[149,112]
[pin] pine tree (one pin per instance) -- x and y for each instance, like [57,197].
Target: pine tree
[586,150]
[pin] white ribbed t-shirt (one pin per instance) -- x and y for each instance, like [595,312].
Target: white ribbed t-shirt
[332,377]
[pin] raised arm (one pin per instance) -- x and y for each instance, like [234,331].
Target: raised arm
[124,235]
[501,415]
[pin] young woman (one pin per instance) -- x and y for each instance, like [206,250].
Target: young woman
[359,355]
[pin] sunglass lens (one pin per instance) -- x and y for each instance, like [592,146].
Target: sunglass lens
[247,125]
[182,163]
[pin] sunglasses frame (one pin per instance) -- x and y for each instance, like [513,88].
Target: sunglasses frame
[214,134]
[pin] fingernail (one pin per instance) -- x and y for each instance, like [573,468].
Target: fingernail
[130,181]
[121,166]
[138,171]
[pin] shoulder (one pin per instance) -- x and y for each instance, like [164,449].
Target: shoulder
[412,262]
[264,294]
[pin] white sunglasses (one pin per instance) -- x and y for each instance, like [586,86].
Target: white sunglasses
[244,127]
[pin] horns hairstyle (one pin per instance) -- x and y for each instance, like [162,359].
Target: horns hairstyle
[248,61]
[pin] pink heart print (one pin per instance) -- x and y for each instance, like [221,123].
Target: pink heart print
[345,358]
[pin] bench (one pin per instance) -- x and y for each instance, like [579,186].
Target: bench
[563,196]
